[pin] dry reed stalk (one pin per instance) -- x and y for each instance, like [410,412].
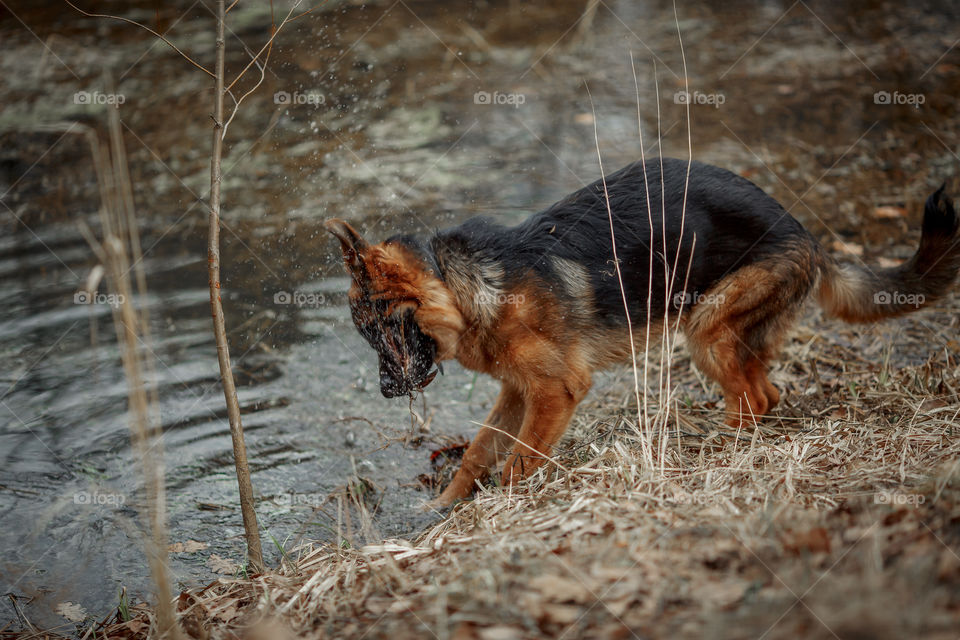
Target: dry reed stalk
[120,243]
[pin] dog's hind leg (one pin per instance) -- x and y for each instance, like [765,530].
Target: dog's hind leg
[738,327]
[489,446]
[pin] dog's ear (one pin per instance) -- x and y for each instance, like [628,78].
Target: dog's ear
[351,244]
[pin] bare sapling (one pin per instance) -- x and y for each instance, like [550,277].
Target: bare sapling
[251,532]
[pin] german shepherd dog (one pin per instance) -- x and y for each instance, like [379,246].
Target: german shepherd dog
[540,306]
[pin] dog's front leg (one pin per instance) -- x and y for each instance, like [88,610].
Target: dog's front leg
[490,445]
[550,405]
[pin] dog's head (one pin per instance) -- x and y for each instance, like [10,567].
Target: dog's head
[384,297]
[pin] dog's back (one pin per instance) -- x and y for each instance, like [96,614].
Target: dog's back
[726,222]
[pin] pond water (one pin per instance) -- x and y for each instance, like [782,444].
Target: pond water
[403,116]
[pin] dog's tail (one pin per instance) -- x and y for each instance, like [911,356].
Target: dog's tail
[859,294]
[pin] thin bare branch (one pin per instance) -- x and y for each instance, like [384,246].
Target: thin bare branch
[616,258]
[266,46]
[263,72]
[146,28]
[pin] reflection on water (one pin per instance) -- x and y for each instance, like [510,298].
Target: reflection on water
[402,117]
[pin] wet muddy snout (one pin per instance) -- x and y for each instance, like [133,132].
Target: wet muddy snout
[390,386]
[406,355]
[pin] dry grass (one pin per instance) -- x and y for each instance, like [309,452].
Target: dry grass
[839,519]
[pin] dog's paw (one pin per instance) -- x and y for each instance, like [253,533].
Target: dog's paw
[455,492]
[520,466]
[441,504]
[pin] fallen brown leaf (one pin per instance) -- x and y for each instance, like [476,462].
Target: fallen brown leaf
[850,248]
[221,565]
[815,540]
[558,589]
[71,611]
[889,212]
[187,546]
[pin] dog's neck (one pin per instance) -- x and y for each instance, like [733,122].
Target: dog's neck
[474,278]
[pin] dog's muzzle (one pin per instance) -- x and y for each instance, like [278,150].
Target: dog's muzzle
[392,387]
